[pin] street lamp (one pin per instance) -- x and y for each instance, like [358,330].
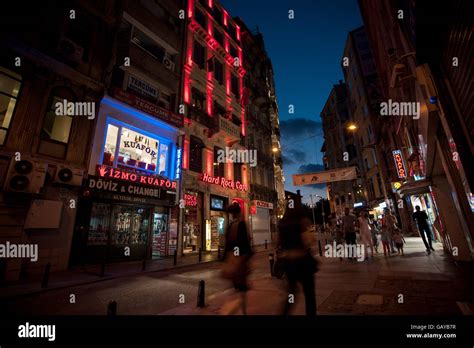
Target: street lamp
[275,149]
[352,127]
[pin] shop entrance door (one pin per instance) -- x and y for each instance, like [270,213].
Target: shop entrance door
[217,233]
[160,232]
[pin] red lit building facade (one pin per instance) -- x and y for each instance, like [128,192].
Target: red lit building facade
[212,99]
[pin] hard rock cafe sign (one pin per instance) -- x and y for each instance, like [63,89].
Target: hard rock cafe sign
[221,181]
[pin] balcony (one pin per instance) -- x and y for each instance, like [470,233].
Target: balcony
[226,129]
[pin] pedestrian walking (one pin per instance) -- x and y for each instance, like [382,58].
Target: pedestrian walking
[423,227]
[384,236]
[399,240]
[296,245]
[366,234]
[237,253]
[390,222]
[348,226]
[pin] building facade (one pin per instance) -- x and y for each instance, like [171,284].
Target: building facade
[52,81]
[341,150]
[262,119]
[430,149]
[128,205]
[212,89]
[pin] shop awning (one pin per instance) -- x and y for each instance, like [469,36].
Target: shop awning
[415,187]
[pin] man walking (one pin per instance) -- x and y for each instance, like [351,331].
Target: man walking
[422,222]
[348,221]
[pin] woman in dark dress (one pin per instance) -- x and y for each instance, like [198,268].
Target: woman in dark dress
[295,244]
[237,253]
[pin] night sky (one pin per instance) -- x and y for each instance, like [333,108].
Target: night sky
[306,52]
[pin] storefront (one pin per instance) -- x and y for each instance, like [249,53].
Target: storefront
[260,222]
[219,219]
[193,219]
[128,203]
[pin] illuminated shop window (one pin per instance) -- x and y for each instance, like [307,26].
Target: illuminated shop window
[131,149]
[9,88]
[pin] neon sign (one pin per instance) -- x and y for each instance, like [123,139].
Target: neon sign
[225,183]
[179,152]
[139,178]
[190,200]
[401,171]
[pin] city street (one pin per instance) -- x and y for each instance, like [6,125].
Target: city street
[426,285]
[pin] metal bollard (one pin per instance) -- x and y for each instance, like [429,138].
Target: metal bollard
[175,257]
[47,269]
[219,252]
[201,294]
[200,254]
[320,250]
[272,262]
[112,308]
[266,245]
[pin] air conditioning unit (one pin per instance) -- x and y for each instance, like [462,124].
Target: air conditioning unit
[25,176]
[67,175]
[168,63]
[70,50]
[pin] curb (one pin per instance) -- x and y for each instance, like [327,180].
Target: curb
[105,278]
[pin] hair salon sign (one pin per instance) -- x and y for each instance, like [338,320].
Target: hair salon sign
[139,178]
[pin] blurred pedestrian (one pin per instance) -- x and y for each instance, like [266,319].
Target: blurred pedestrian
[423,227]
[384,236]
[296,243]
[237,253]
[366,234]
[348,226]
[398,238]
[390,222]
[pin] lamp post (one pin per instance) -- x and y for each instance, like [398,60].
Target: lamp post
[322,209]
[312,210]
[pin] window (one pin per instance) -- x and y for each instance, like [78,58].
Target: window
[365,110]
[379,183]
[165,100]
[219,110]
[195,154]
[80,32]
[343,199]
[219,71]
[219,37]
[369,132]
[148,44]
[57,127]
[218,15]
[201,19]
[199,54]
[238,172]
[132,149]
[359,92]
[233,51]
[9,89]
[232,31]
[366,163]
[218,166]
[235,86]
[197,99]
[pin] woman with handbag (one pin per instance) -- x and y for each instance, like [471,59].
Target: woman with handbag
[237,253]
[295,243]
